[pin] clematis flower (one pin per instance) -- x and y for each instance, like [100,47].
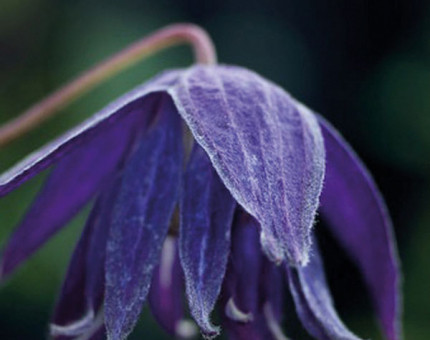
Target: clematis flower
[205,180]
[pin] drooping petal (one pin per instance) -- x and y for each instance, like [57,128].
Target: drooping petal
[141,216]
[313,301]
[73,181]
[166,292]
[268,153]
[78,137]
[71,316]
[241,294]
[204,242]
[245,266]
[252,290]
[358,217]
[83,289]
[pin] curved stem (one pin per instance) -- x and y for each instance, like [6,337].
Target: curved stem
[169,36]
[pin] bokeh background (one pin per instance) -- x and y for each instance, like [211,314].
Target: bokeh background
[365,65]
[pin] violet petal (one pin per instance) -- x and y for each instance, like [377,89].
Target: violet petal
[204,242]
[357,215]
[83,288]
[241,291]
[71,315]
[246,263]
[313,300]
[166,293]
[268,153]
[252,291]
[73,181]
[141,216]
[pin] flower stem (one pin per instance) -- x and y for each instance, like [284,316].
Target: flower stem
[176,34]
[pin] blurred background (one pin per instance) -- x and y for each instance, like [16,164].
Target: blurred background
[365,65]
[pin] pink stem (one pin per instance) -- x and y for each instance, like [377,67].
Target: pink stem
[192,35]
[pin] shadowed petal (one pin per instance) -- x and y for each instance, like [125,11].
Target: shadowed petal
[273,285]
[72,316]
[245,266]
[82,292]
[252,291]
[313,301]
[268,153]
[141,216]
[204,243]
[357,216]
[165,294]
[241,306]
[78,137]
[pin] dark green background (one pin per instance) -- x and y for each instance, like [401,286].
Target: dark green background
[365,65]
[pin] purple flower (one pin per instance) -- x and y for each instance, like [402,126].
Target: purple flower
[206,179]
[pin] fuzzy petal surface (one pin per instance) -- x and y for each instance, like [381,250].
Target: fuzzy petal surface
[207,210]
[141,215]
[268,153]
[357,216]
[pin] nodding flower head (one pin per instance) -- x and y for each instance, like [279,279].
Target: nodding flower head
[206,180]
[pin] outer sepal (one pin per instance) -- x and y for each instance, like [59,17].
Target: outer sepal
[268,152]
[357,216]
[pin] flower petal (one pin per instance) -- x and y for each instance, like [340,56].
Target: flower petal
[78,137]
[204,242]
[141,216]
[357,216]
[72,316]
[252,291]
[313,301]
[242,317]
[83,288]
[243,276]
[165,294]
[72,183]
[268,153]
